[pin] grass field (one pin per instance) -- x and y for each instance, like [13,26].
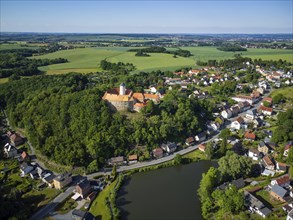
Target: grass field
[98,207]
[3,80]
[87,59]
[18,46]
[287,92]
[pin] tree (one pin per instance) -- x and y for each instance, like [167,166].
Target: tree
[177,159]
[209,150]
[291,171]
[114,172]
[290,156]
[278,98]
[225,133]
[233,166]
[266,104]
[208,182]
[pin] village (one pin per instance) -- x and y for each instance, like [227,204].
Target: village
[248,121]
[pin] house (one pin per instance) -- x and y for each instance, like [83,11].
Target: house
[91,197]
[202,147]
[254,154]
[243,98]
[265,110]
[34,174]
[255,205]
[81,215]
[268,100]
[250,115]
[237,123]
[62,180]
[268,163]
[200,137]
[16,139]
[249,136]
[235,110]
[290,215]
[262,147]
[283,181]
[244,106]
[257,122]
[24,157]
[281,167]
[287,208]
[190,141]
[158,153]
[25,169]
[139,106]
[132,158]
[169,147]
[116,160]
[239,183]
[286,149]
[9,151]
[260,90]
[83,188]
[48,178]
[278,193]
[41,172]
[226,113]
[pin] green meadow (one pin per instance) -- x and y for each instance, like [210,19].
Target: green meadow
[87,59]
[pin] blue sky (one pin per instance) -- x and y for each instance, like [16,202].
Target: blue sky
[147,16]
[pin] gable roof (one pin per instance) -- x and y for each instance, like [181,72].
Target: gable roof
[249,135]
[157,151]
[240,120]
[132,157]
[202,147]
[24,155]
[268,160]
[239,183]
[267,109]
[283,179]
[280,191]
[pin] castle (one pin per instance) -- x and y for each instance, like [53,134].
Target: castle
[121,99]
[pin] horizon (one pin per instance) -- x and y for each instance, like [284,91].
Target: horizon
[149,17]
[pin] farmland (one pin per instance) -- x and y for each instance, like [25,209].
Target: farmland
[87,59]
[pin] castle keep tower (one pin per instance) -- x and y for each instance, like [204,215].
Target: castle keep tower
[122,89]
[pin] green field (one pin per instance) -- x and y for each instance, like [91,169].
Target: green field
[287,92]
[87,59]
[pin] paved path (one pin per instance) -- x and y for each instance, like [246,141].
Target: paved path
[52,205]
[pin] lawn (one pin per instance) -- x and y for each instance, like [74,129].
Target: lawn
[87,59]
[3,80]
[98,207]
[66,205]
[287,92]
[266,196]
[195,155]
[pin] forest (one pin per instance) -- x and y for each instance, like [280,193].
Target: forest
[157,49]
[65,119]
[15,62]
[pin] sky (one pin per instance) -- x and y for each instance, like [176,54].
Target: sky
[148,16]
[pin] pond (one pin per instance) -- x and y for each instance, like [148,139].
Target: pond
[168,193]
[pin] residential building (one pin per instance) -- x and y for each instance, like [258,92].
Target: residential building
[286,149]
[158,153]
[266,110]
[9,151]
[268,163]
[249,136]
[48,178]
[250,115]
[262,147]
[202,147]
[24,157]
[16,139]
[190,141]
[116,161]
[243,98]
[83,188]
[254,154]
[237,123]
[170,147]
[235,110]
[25,168]
[278,193]
[268,100]
[255,205]
[290,215]
[132,158]
[283,181]
[200,137]
[281,167]
[226,113]
[62,180]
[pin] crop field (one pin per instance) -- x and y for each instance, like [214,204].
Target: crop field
[18,46]
[86,60]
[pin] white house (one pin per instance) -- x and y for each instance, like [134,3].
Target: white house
[169,147]
[290,215]
[238,123]
[250,115]
[226,113]
[9,150]
[286,150]
[266,110]
[254,154]
[153,89]
[200,137]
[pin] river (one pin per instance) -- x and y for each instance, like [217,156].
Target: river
[168,193]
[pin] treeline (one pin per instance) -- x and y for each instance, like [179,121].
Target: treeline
[67,121]
[224,204]
[15,62]
[120,68]
[157,49]
[284,131]
[231,48]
